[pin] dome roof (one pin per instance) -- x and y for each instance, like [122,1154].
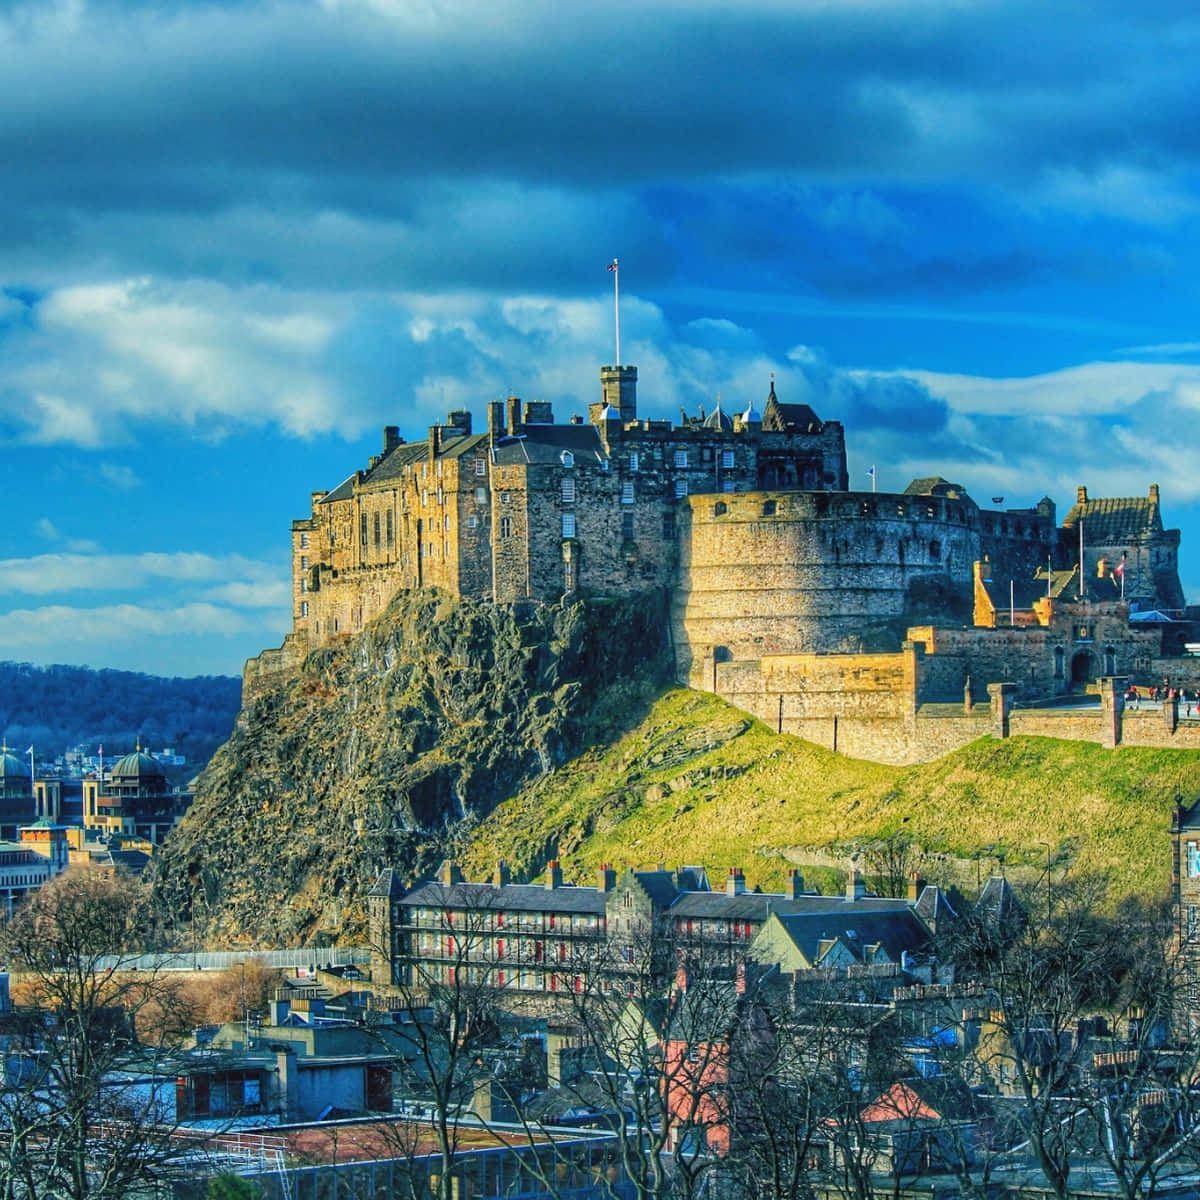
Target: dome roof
[138,764]
[751,416]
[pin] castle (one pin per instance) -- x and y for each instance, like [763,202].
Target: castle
[823,610]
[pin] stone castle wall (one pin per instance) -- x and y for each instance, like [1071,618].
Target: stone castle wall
[769,573]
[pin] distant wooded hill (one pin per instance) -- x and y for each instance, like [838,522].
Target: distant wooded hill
[57,708]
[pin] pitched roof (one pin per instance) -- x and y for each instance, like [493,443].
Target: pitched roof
[936,485]
[388,885]
[857,924]
[998,905]
[544,444]
[1114,520]
[508,897]
[785,418]
[933,906]
[343,491]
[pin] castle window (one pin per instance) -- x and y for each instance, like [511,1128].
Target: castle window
[304,541]
[506,527]
[727,485]
[768,508]
[568,525]
[1193,859]
[505,497]
[480,466]
[668,526]
[706,454]
[567,458]
[303,583]
[472,521]
[1058,662]
[391,528]
[627,492]
[681,458]
[446,548]
[446,523]
[633,461]
[424,497]
[481,495]
[568,491]
[377,531]
[720,508]
[304,608]
[680,489]
[441,496]
[362,528]
[627,526]
[439,468]
[726,459]
[304,562]
[935,550]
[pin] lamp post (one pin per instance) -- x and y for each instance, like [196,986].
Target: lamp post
[1049,905]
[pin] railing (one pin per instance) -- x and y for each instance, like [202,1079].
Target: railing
[219,960]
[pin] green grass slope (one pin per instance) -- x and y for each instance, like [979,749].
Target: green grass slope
[697,781]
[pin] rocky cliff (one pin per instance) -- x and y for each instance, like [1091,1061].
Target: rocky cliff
[382,748]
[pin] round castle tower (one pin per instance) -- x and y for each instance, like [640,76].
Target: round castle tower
[816,572]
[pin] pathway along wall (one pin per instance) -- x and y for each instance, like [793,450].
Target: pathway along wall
[765,573]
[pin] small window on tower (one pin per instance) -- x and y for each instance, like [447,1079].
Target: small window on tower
[567,458]
[680,489]
[627,492]
[633,460]
[304,541]
[681,459]
[568,491]
[506,527]
[726,459]
[568,525]
[480,466]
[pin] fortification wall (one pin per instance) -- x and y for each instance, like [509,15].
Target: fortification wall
[768,573]
[271,668]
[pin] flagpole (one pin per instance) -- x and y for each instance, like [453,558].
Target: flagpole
[32,773]
[615,268]
[1012,603]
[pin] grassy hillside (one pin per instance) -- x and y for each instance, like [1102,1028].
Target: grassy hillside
[696,781]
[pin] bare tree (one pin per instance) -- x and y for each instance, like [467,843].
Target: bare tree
[84,1104]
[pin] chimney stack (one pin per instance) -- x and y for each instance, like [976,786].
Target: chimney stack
[450,873]
[916,885]
[1081,495]
[735,882]
[795,887]
[856,887]
[503,877]
[607,879]
[553,875]
[1154,492]
[514,415]
[391,438]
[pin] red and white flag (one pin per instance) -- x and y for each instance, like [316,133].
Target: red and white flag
[1119,569]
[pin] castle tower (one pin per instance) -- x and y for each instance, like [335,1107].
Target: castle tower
[383,927]
[618,386]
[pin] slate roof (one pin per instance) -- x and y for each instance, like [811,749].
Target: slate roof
[1113,520]
[998,905]
[782,418]
[936,485]
[932,906]
[388,885]
[509,897]
[857,924]
[343,491]
[544,443]
[659,885]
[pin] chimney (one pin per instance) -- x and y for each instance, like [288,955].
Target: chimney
[916,885]
[607,879]
[289,1089]
[495,420]
[1154,493]
[460,419]
[435,441]
[502,873]
[450,873]
[856,888]
[391,438]
[513,404]
[735,882]
[553,874]
[1081,495]
[795,888]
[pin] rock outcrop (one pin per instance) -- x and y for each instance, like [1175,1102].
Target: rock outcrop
[379,749]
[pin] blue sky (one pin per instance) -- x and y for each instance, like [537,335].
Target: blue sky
[237,238]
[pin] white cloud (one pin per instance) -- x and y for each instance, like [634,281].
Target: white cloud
[121,477]
[62,625]
[44,574]
[270,593]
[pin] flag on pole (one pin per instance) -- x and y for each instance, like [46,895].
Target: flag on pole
[1119,569]
[614,265]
